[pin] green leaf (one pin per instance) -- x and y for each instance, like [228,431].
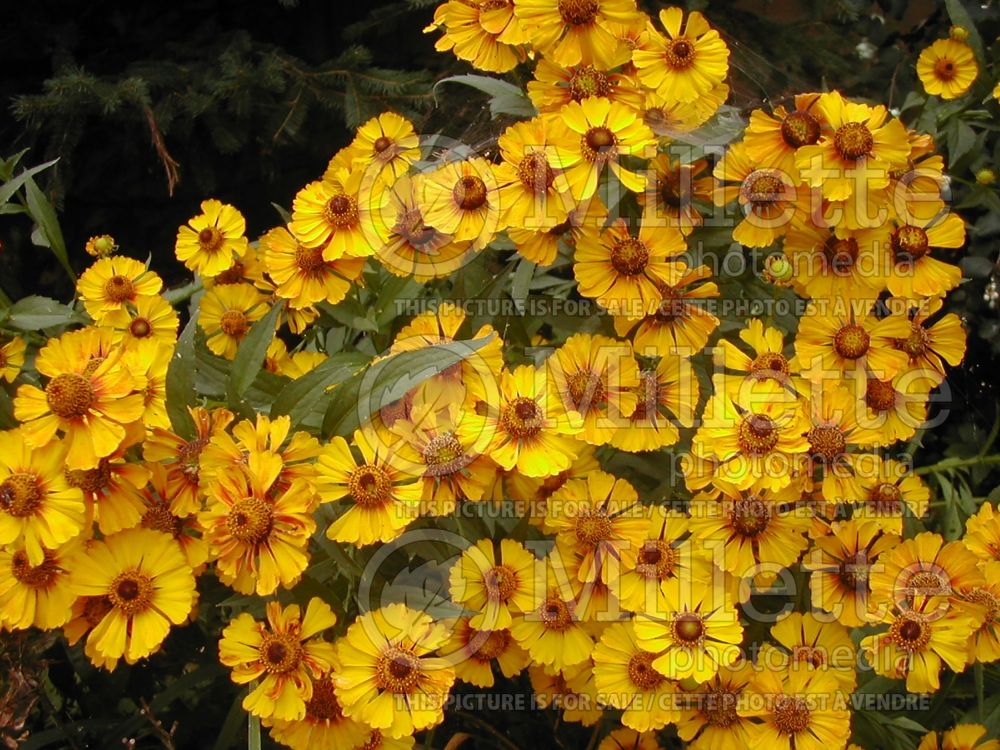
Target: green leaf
[522,280]
[37,313]
[250,359]
[505,98]
[180,382]
[298,398]
[9,188]
[388,380]
[44,216]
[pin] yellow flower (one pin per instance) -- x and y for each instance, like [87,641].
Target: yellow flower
[914,272]
[474,651]
[494,587]
[542,246]
[692,631]
[666,399]
[284,654]
[930,347]
[324,724]
[670,199]
[570,32]
[340,214]
[709,718]
[895,408]
[101,246]
[210,242]
[387,144]
[807,642]
[12,358]
[768,363]
[554,86]
[487,35]
[594,134]
[226,315]
[36,595]
[148,319]
[982,533]
[148,584]
[148,361]
[857,153]
[924,566]
[688,63]
[624,273]
[570,690]
[462,199]
[889,491]
[388,678]
[532,432]
[671,119]
[772,140]
[533,195]
[259,533]
[624,674]
[384,495]
[158,516]
[947,68]
[962,737]
[843,265]
[110,285]
[984,647]
[301,273]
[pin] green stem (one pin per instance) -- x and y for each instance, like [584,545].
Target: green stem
[958,463]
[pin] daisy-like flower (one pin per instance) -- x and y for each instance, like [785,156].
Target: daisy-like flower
[765,362]
[624,674]
[36,595]
[571,32]
[772,139]
[834,436]
[594,134]
[600,521]
[494,586]
[388,144]
[596,377]
[148,585]
[487,35]
[89,397]
[384,493]
[923,636]
[624,273]
[692,631]
[12,358]
[795,709]
[766,197]
[842,563]
[888,491]
[666,399]
[984,647]
[182,455]
[303,276]
[894,408]
[931,345]
[388,678]
[149,361]
[340,213]
[670,119]
[158,516]
[947,68]
[857,153]
[851,341]
[324,724]
[533,433]
[474,651]
[671,198]
[551,631]
[147,319]
[462,199]
[570,690]
[708,712]
[688,63]
[807,642]
[101,246]
[226,315]
[682,321]
[962,737]
[210,242]
[259,533]
[38,507]
[284,653]
[914,272]
[982,533]
[555,86]
[111,284]
[532,194]
[843,264]
[542,247]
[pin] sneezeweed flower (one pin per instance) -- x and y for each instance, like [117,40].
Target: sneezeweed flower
[12,358]
[555,86]
[182,454]
[462,199]
[888,492]
[624,273]
[210,242]
[324,724]
[666,397]
[101,246]
[148,361]
[931,345]
[494,584]
[110,285]
[487,35]
[595,134]
[340,214]
[914,272]
[772,139]
[388,678]
[708,712]
[38,507]
[571,32]
[857,153]
[258,533]
[149,587]
[149,319]
[766,360]
[386,144]
[962,737]
[895,408]
[384,493]
[806,642]
[842,265]
[533,433]
[226,315]
[302,275]
[36,595]
[543,246]
[924,635]
[158,516]
[834,437]
[947,68]
[686,64]
[89,397]
[473,652]
[624,673]
[795,709]
[692,632]
[531,191]
[984,647]
[982,533]
[673,196]
[842,563]
[285,654]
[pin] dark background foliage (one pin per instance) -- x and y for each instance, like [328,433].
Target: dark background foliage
[152,107]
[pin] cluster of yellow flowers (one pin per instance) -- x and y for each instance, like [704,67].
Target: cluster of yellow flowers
[108,515]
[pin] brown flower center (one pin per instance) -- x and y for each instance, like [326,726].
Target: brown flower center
[381,144]
[234,323]
[927,583]
[917,343]
[886,498]
[656,559]
[69,395]
[324,706]
[762,187]
[341,211]
[599,143]
[688,628]
[750,516]
[769,366]
[444,455]
[131,592]
[493,646]
[21,494]
[853,572]
[909,244]
[853,140]
[210,239]
[535,172]
[790,714]
[944,70]
[280,653]
[370,486]
[309,259]
[679,54]
[522,417]
[587,81]
[809,655]
[91,481]
[909,632]
[674,188]
[800,129]
[629,256]
[880,395]
[159,518]
[586,390]
[397,670]
[556,614]
[38,576]
[757,434]
[469,193]
[826,442]
[593,527]
[140,328]
[641,672]
[852,341]
[500,582]
[119,289]
[718,706]
[841,255]
[250,520]
[578,12]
